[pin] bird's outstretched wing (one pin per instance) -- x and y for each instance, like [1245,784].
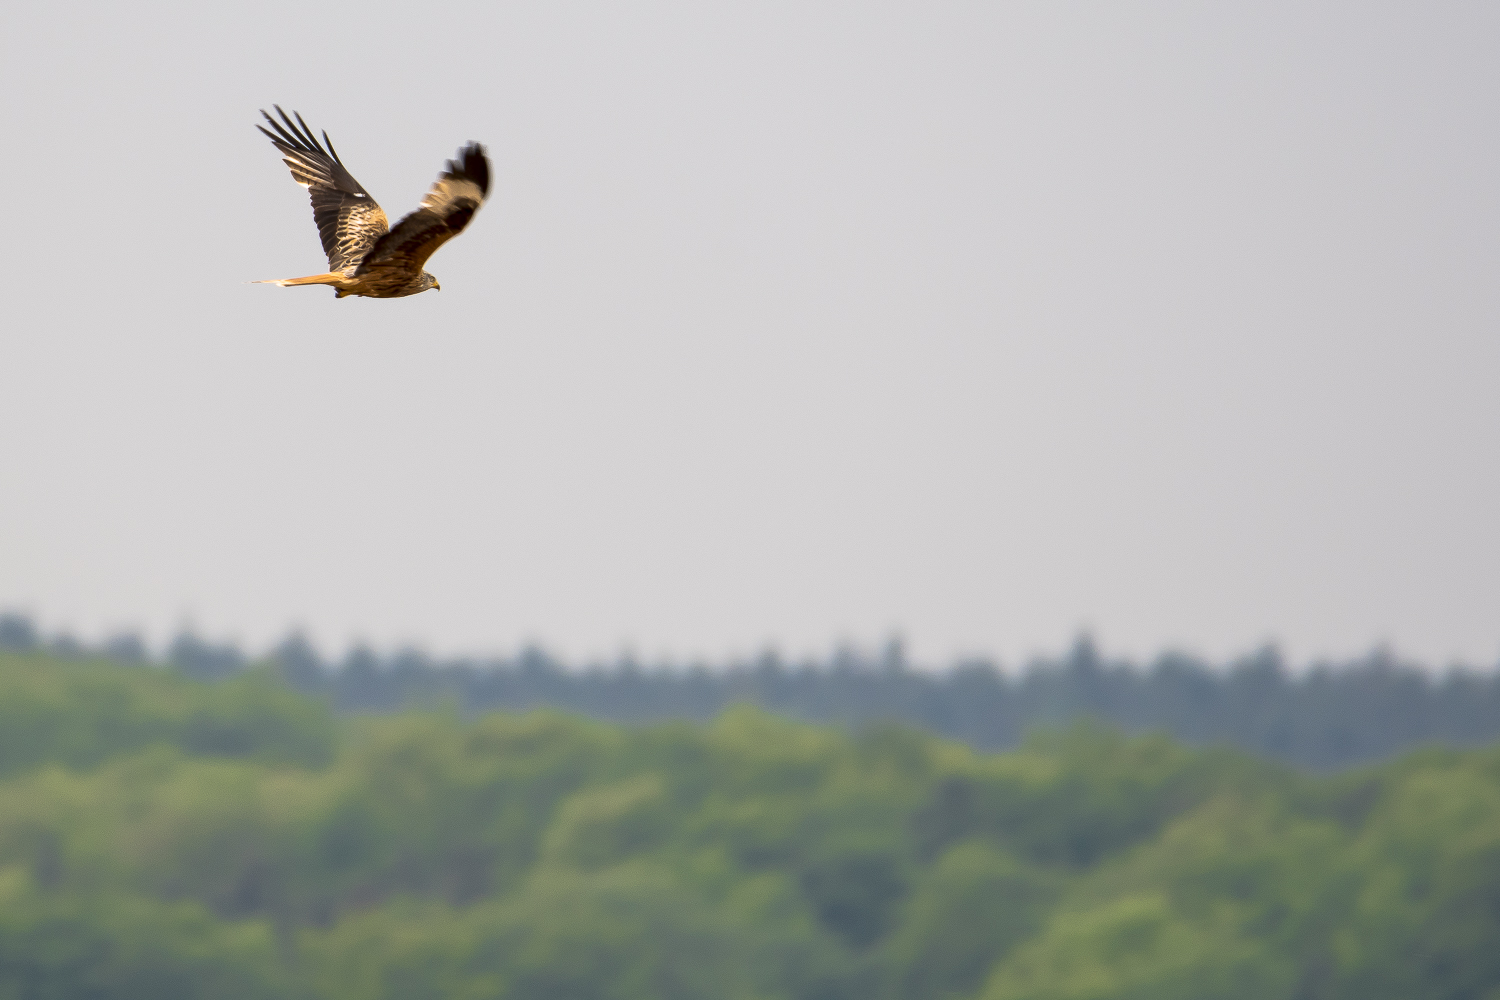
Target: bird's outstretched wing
[443,214]
[349,221]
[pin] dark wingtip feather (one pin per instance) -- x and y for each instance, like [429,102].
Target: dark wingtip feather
[307,133]
[472,165]
[291,135]
[282,138]
[288,120]
[272,122]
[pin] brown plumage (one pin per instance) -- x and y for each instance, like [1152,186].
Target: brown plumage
[365,255]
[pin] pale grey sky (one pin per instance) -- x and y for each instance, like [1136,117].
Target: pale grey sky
[785,323]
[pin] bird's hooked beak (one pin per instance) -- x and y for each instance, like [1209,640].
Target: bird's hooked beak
[436,287]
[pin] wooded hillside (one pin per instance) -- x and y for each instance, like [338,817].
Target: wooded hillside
[164,838]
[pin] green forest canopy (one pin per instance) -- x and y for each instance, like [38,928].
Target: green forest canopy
[163,838]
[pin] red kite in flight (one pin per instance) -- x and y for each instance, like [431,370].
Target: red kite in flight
[365,255]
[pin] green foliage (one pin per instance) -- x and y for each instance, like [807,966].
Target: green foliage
[79,713]
[971,908]
[160,838]
[127,947]
[1139,948]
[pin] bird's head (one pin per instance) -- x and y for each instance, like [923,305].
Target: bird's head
[428,281]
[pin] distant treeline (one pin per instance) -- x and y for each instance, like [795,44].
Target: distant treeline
[1329,716]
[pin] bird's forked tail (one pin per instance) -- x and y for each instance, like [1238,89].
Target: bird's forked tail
[330,278]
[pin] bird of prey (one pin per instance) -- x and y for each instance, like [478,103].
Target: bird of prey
[365,255]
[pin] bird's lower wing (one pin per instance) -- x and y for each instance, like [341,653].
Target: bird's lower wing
[443,214]
[349,221]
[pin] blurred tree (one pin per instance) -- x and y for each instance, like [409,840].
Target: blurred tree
[202,660]
[17,633]
[125,647]
[300,663]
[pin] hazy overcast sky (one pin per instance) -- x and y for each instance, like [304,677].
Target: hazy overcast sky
[785,323]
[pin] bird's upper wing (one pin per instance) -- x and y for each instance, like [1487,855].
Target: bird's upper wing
[349,221]
[448,207]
